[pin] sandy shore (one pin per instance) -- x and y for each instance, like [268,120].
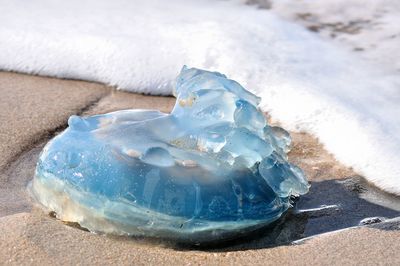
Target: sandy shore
[36,108]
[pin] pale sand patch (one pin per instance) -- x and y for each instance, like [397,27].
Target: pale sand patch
[119,100]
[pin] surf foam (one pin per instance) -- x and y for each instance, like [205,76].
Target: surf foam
[140,46]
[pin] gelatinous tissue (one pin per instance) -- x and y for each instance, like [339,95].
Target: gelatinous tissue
[211,170]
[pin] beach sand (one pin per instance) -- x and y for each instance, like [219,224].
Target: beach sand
[34,109]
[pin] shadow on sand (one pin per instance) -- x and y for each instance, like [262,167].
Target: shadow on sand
[330,205]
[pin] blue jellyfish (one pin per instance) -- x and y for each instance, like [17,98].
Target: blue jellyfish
[211,170]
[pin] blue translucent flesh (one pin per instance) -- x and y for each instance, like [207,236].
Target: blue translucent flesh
[210,170]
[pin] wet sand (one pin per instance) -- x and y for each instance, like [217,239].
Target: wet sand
[36,108]
[32,107]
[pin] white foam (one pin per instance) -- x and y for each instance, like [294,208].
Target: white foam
[306,83]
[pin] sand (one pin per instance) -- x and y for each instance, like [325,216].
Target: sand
[36,239]
[35,108]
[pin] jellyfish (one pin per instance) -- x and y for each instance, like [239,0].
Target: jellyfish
[211,170]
